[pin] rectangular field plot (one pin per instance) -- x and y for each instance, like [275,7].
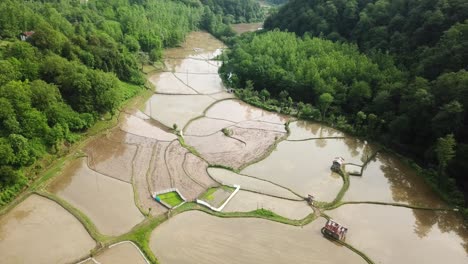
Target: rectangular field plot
[171,198]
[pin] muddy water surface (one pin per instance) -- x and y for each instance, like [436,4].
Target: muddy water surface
[390,234]
[124,253]
[245,201]
[246,27]
[145,128]
[203,83]
[177,109]
[111,158]
[40,231]
[192,66]
[108,202]
[300,166]
[387,179]
[167,82]
[305,130]
[237,111]
[196,45]
[196,237]
[206,126]
[249,183]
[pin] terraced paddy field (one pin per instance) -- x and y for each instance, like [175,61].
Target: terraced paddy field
[40,231]
[107,201]
[427,236]
[100,194]
[209,239]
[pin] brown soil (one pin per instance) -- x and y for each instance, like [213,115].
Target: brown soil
[111,158]
[175,156]
[196,169]
[243,147]
[161,179]
[142,180]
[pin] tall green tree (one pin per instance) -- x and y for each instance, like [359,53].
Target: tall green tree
[445,151]
[324,103]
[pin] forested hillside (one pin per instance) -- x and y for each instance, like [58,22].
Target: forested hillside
[396,72]
[427,36]
[236,11]
[76,63]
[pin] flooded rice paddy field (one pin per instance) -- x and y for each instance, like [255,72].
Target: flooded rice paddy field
[246,201]
[302,167]
[303,130]
[387,179]
[195,237]
[228,177]
[400,235]
[111,158]
[177,109]
[143,154]
[40,231]
[123,253]
[246,27]
[108,202]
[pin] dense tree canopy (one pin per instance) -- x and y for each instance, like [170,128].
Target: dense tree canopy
[236,11]
[428,36]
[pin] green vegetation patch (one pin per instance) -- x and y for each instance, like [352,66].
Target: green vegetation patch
[171,198]
[216,196]
[208,195]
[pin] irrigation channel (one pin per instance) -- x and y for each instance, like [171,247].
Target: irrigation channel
[101,194]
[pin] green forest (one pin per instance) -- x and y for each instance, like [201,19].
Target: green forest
[236,11]
[78,62]
[392,71]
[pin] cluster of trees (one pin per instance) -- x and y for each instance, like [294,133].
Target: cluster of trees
[81,62]
[363,94]
[428,40]
[427,36]
[236,11]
